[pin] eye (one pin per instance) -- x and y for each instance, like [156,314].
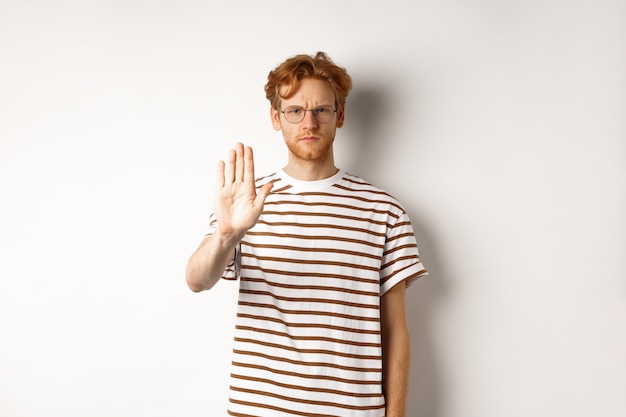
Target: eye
[294,110]
[323,110]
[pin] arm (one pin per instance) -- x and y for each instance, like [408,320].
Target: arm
[207,263]
[396,350]
[237,209]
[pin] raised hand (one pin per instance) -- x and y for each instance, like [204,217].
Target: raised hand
[237,203]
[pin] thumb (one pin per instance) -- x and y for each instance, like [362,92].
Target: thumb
[262,194]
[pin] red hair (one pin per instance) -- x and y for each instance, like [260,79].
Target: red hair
[293,70]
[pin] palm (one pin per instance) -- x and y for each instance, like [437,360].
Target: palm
[237,203]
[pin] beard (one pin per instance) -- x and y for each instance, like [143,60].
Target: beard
[317,151]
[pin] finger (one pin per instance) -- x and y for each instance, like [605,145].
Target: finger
[219,175]
[229,170]
[249,169]
[262,194]
[240,163]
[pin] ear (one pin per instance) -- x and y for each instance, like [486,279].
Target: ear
[341,114]
[275,116]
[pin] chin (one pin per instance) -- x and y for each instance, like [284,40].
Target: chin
[312,152]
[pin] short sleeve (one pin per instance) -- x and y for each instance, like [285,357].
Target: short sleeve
[400,261]
[231,272]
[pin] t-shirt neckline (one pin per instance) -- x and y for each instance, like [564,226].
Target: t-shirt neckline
[317,185]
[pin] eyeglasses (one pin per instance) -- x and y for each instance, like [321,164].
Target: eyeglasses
[295,114]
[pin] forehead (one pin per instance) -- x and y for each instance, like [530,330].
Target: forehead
[311,91]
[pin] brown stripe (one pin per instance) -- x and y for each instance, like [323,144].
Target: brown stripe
[323,215]
[325,226]
[310,262]
[303,401]
[305,388]
[323,204]
[376,382]
[262,179]
[402,224]
[308,351]
[311,338]
[307,325]
[352,179]
[400,236]
[311,300]
[311,287]
[407,246]
[305,363]
[308,274]
[232,413]
[309,237]
[415,275]
[271,407]
[389,201]
[307,312]
[321,250]
[401,259]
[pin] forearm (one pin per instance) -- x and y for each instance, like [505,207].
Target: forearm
[396,350]
[396,366]
[206,265]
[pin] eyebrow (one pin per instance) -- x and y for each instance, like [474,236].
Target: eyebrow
[314,107]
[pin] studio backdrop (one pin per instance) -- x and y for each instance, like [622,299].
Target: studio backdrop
[498,124]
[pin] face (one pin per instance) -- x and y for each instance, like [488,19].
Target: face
[309,140]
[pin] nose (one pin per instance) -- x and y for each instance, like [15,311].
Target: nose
[309,121]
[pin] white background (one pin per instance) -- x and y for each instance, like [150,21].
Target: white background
[498,124]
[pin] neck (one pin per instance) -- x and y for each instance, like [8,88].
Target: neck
[310,170]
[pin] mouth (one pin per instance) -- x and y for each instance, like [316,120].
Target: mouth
[309,138]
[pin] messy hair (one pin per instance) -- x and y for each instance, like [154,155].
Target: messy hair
[287,77]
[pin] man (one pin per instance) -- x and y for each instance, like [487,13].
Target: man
[323,259]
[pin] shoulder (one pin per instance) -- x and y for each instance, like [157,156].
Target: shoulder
[364,189]
[357,184]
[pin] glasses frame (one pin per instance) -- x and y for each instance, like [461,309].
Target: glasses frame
[334,110]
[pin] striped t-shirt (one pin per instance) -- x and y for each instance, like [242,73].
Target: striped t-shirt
[311,273]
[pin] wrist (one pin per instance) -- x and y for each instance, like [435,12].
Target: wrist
[227,239]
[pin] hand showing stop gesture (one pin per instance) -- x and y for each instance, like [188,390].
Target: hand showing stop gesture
[238,204]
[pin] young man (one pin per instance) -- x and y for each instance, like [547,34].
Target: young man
[323,259]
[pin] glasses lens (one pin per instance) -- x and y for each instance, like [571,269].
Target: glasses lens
[324,114]
[295,114]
